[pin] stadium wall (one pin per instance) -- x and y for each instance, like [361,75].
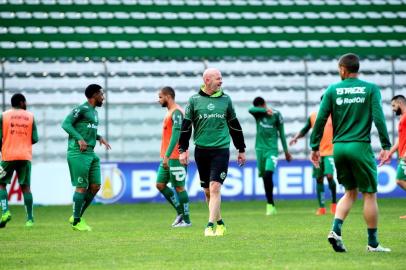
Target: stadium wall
[125,182]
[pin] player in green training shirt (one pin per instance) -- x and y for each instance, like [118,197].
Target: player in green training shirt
[269,128]
[353,104]
[211,114]
[84,165]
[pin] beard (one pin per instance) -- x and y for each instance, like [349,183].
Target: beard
[164,104]
[398,112]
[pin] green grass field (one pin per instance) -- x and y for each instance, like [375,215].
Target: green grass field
[140,237]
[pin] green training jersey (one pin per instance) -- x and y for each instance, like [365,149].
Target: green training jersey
[210,116]
[353,105]
[269,129]
[82,124]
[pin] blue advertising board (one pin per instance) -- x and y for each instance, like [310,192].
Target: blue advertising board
[135,182]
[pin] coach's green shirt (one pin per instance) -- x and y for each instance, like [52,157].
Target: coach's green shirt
[353,105]
[82,124]
[269,128]
[210,116]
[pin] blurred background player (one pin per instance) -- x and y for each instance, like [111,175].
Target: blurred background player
[170,169]
[326,162]
[212,115]
[353,104]
[18,133]
[399,107]
[84,165]
[269,128]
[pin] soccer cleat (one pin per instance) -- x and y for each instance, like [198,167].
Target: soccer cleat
[209,231]
[402,217]
[182,224]
[177,220]
[379,248]
[270,210]
[337,242]
[321,211]
[333,207]
[220,230]
[6,217]
[81,226]
[71,219]
[29,223]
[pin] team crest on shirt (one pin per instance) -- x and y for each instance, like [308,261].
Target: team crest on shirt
[211,107]
[223,175]
[113,184]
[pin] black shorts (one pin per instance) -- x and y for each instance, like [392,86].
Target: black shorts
[212,165]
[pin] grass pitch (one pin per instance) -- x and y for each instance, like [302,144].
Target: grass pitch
[140,237]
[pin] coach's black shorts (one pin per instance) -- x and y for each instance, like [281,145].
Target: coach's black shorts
[212,165]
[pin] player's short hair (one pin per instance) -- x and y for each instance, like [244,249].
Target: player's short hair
[258,101]
[321,98]
[167,90]
[16,99]
[400,98]
[92,89]
[350,61]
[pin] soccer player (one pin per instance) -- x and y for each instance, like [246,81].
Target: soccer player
[326,162]
[84,165]
[399,107]
[170,169]
[269,128]
[18,133]
[212,115]
[353,104]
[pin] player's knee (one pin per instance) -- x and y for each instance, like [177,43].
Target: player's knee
[215,187]
[319,180]
[353,194]
[94,189]
[330,177]
[25,189]
[179,189]
[207,193]
[399,182]
[160,186]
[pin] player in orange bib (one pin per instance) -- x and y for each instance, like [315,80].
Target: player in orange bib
[18,133]
[399,107]
[170,169]
[327,167]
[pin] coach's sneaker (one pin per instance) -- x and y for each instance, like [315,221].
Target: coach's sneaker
[321,211]
[177,220]
[182,224]
[270,210]
[337,242]
[209,231]
[71,219]
[220,230]
[82,227]
[6,217]
[29,223]
[379,248]
[333,207]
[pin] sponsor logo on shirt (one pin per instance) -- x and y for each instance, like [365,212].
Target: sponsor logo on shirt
[92,126]
[350,90]
[340,101]
[212,115]
[211,107]
[265,125]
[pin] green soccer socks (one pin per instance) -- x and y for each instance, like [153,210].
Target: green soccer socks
[320,194]
[78,202]
[171,198]
[184,205]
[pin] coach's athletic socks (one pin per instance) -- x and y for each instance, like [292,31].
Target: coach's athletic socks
[320,195]
[3,200]
[184,205]
[337,224]
[88,200]
[28,201]
[78,202]
[333,188]
[171,198]
[270,210]
[220,222]
[373,237]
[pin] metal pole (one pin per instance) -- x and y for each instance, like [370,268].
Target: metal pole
[3,85]
[393,94]
[106,106]
[306,103]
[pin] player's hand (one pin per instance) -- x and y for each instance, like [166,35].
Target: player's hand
[292,141]
[105,143]
[384,157]
[288,157]
[82,145]
[315,158]
[165,163]
[241,159]
[184,158]
[269,112]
